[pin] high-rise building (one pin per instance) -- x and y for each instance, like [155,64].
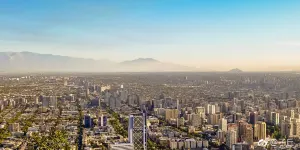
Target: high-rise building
[223,124]
[213,119]
[196,120]
[210,109]
[221,136]
[260,131]
[275,118]
[171,114]
[231,138]
[242,105]
[137,131]
[253,118]
[88,121]
[287,128]
[45,101]
[249,135]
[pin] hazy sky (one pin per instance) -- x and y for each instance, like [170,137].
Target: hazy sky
[216,34]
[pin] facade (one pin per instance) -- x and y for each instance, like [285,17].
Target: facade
[260,131]
[275,118]
[196,120]
[102,121]
[88,121]
[253,117]
[223,124]
[231,138]
[210,109]
[137,131]
[171,114]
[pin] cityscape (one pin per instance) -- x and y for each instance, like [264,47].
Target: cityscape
[227,110]
[149,75]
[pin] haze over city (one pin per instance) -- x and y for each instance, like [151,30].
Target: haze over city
[206,35]
[149,75]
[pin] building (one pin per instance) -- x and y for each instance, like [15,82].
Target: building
[213,119]
[253,118]
[287,129]
[137,131]
[196,120]
[88,122]
[292,114]
[121,146]
[231,138]
[53,102]
[260,131]
[221,136]
[210,109]
[223,124]
[249,135]
[171,114]
[45,101]
[275,118]
[102,121]
[241,146]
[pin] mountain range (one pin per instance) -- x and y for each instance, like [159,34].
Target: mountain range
[35,62]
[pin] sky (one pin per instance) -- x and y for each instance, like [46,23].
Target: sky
[208,34]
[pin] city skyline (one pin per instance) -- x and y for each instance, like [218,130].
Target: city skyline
[215,35]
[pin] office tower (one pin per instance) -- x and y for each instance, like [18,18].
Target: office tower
[137,131]
[275,118]
[231,138]
[196,120]
[171,114]
[88,122]
[14,127]
[223,124]
[253,118]
[260,131]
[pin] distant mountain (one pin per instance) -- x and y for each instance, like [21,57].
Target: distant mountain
[236,70]
[34,62]
[141,60]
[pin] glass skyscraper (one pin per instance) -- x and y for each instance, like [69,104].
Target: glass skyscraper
[137,131]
